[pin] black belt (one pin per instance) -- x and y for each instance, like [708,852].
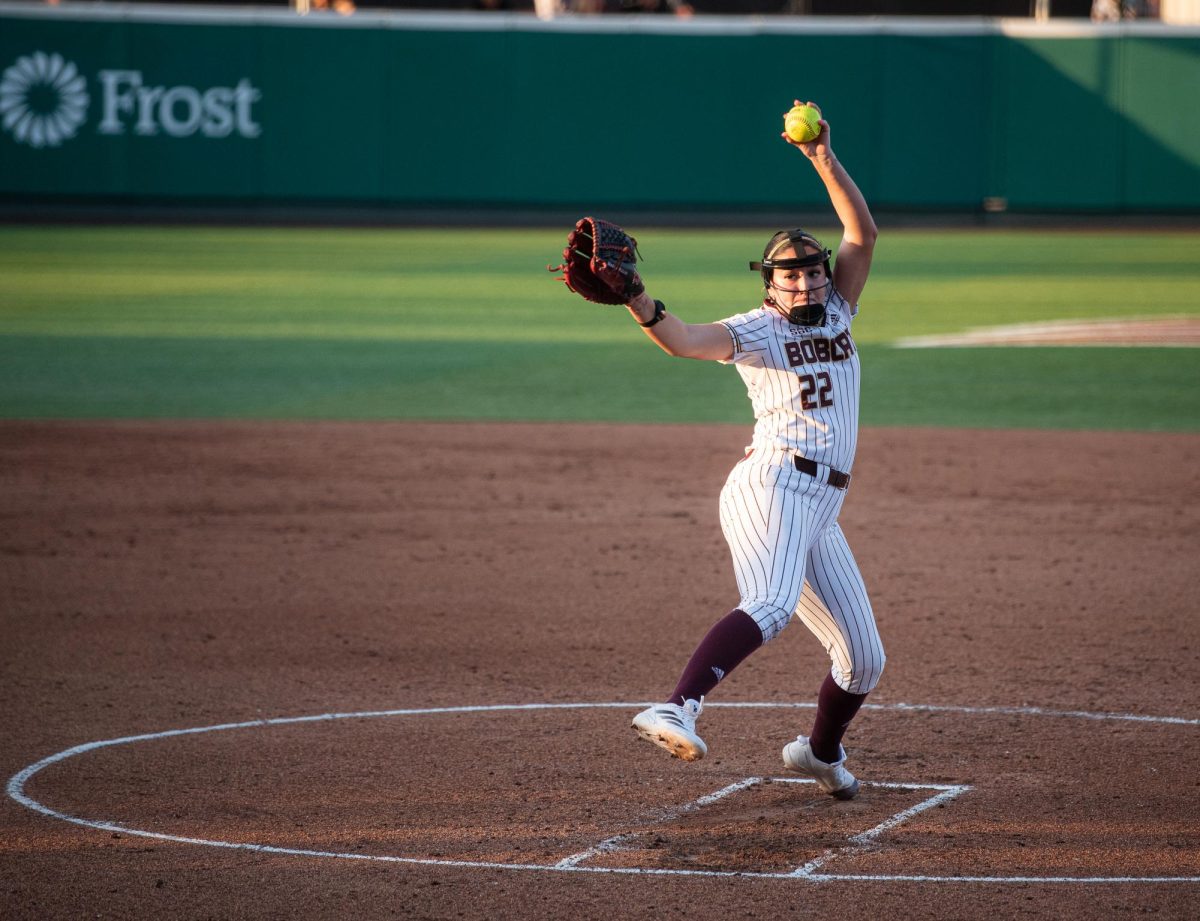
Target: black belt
[836,478]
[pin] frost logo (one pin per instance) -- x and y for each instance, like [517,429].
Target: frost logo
[178,111]
[43,100]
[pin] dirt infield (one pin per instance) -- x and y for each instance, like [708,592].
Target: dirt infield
[1036,592]
[1162,332]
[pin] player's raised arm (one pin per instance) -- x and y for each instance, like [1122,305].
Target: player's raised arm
[709,341]
[854,255]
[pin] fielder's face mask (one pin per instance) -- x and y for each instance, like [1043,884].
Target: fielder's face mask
[812,311]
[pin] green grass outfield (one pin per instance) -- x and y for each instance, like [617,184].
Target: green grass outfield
[183,322]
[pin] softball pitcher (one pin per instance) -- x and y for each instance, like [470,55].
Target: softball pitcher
[779,507]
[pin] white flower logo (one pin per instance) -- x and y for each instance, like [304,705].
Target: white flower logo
[43,99]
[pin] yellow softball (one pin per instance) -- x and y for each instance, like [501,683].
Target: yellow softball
[802,123]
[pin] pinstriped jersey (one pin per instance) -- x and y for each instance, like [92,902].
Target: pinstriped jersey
[803,382]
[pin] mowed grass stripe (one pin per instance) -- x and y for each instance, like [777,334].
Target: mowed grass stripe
[95,377]
[467,324]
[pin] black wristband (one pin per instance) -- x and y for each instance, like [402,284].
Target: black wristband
[660,311]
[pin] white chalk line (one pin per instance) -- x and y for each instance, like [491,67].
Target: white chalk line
[865,839]
[856,843]
[992,711]
[619,842]
[16,791]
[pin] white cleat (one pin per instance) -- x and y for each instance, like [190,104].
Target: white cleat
[834,779]
[673,727]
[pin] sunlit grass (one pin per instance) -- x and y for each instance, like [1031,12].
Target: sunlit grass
[467,323]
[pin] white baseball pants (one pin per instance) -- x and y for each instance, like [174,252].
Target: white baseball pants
[790,557]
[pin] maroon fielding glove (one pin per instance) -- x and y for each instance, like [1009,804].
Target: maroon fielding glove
[600,263]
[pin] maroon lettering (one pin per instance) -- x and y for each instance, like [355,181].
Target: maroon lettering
[819,351]
[825,390]
[808,386]
[816,391]
[845,344]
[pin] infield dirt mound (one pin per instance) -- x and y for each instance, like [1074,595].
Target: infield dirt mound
[161,576]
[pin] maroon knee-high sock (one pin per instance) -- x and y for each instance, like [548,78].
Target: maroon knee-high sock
[835,710]
[730,640]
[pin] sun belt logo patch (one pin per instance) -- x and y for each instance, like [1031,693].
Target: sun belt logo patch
[43,100]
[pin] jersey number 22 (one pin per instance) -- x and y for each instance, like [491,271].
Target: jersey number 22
[816,390]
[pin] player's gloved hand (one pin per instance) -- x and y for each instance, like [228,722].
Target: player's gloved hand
[600,263]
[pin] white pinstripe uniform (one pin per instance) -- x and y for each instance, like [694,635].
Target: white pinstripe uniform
[789,553]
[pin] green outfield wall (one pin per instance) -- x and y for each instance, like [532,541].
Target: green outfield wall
[219,106]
